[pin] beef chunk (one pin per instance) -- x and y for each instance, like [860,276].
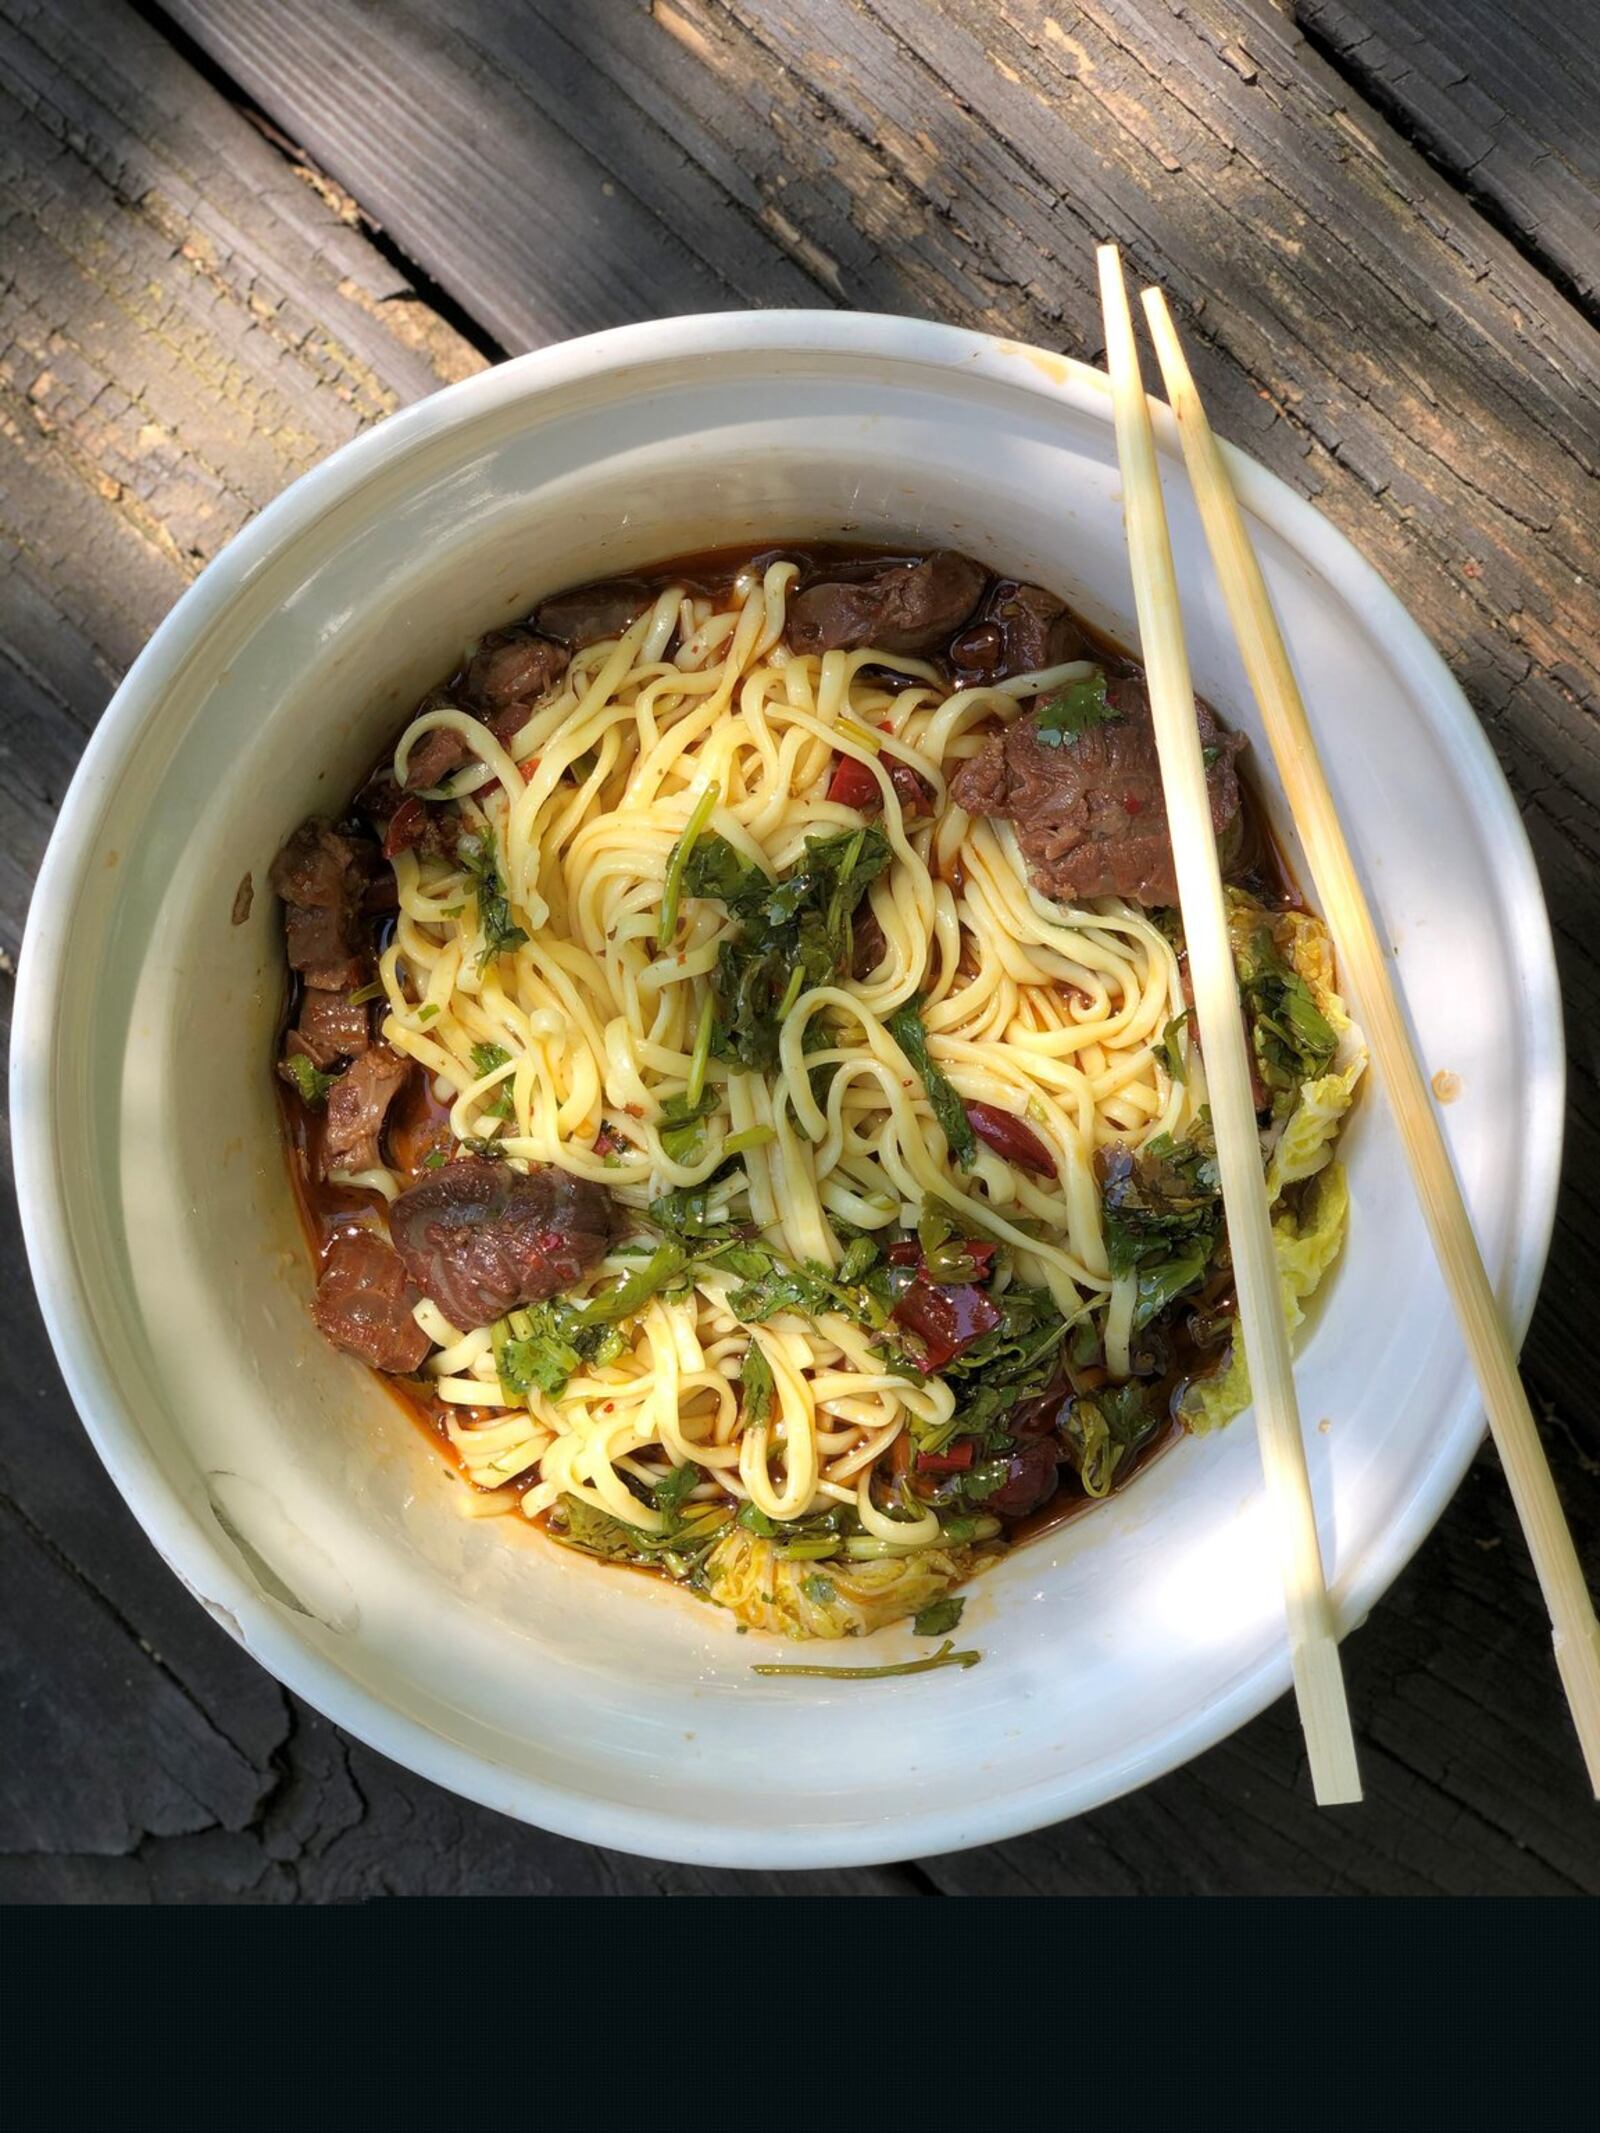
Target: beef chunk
[1018,630]
[328,1029]
[357,1105]
[364,1303]
[1090,816]
[482,1239]
[590,614]
[894,606]
[509,672]
[505,678]
[406,824]
[438,752]
[323,876]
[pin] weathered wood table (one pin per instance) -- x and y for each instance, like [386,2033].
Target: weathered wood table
[237,230]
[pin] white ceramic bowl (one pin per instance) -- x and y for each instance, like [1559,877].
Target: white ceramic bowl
[285,1487]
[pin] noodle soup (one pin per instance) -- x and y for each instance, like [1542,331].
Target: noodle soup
[740,1079]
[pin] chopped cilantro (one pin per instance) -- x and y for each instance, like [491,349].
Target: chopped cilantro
[674,1490]
[790,933]
[501,933]
[1073,709]
[485,1059]
[1161,1215]
[939,1617]
[313,1085]
[1170,1052]
[682,1125]
[759,1395]
[908,1031]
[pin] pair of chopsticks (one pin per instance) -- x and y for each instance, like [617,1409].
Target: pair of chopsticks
[1313,1644]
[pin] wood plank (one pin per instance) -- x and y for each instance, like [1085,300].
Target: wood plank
[1501,94]
[1356,323]
[489,149]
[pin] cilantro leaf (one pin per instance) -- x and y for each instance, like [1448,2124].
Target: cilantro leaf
[681,1550]
[1170,1052]
[675,1488]
[543,1347]
[682,1126]
[791,933]
[908,1031]
[939,1617]
[485,1059]
[1292,1039]
[501,933]
[759,1393]
[1101,1431]
[310,1082]
[1072,709]
[1161,1215]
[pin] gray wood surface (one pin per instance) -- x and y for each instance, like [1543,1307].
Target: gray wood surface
[191,313]
[1503,98]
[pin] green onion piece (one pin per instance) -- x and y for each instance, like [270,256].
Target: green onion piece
[861,735]
[809,1551]
[427,1013]
[702,1052]
[751,1137]
[374,991]
[678,859]
[946,1655]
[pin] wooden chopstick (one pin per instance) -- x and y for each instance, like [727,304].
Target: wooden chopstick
[1313,1642]
[1344,906]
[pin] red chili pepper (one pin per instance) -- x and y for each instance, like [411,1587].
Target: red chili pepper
[907,1252]
[529,768]
[608,1141]
[947,1320]
[954,1461]
[408,825]
[1132,804]
[1007,1135]
[853,785]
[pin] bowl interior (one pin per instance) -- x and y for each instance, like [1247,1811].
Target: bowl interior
[293,1493]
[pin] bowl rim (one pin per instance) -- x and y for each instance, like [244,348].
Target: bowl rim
[194,1554]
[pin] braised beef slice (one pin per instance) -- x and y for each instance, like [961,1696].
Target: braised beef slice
[509,672]
[1090,816]
[327,1029]
[1019,629]
[482,1239]
[590,614]
[323,876]
[894,606]
[506,676]
[364,1303]
[439,751]
[358,1103]
[406,824]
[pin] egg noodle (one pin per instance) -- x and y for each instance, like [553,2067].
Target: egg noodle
[698,719]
